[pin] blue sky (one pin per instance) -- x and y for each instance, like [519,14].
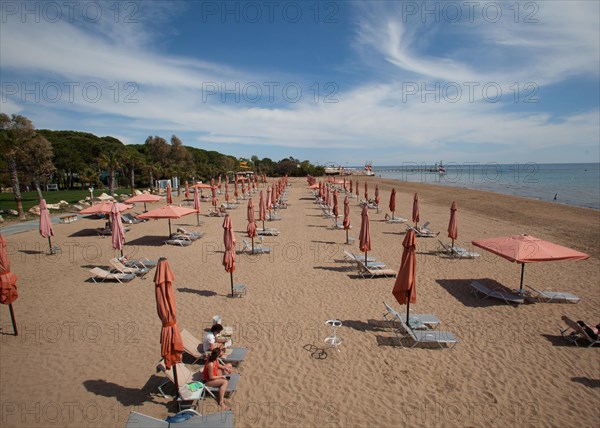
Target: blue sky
[344,82]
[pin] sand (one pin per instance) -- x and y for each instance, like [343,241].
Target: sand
[86,354]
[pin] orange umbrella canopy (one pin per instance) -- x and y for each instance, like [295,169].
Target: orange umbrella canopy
[171,344]
[528,249]
[168,212]
[404,288]
[144,197]
[8,280]
[104,208]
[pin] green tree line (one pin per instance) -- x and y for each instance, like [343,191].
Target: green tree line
[76,160]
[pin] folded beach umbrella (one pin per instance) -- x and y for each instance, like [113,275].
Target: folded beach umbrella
[168,212]
[197,207]
[117,231]
[104,208]
[405,286]
[213,189]
[169,194]
[229,255]
[392,205]
[335,206]
[350,186]
[357,191]
[187,190]
[144,197]
[344,186]
[268,202]
[346,217]
[366,191]
[219,184]
[251,229]
[171,343]
[262,211]
[235,190]
[46,224]
[415,213]
[452,224]
[364,238]
[377,196]
[8,283]
[527,249]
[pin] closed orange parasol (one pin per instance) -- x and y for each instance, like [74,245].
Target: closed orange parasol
[229,255]
[251,229]
[415,213]
[405,286]
[364,238]
[8,283]
[197,206]
[392,205]
[117,230]
[452,224]
[346,222]
[46,224]
[169,194]
[171,344]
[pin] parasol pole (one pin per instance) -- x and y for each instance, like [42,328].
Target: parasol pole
[347,242]
[522,276]
[231,278]
[169,228]
[408,306]
[365,258]
[145,210]
[197,219]
[252,245]
[12,318]
[50,244]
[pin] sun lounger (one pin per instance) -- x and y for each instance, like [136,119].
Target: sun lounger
[545,296]
[186,376]
[457,252]
[273,217]
[121,268]
[101,274]
[258,248]
[193,347]
[497,293]
[389,219]
[415,321]
[142,262]
[351,257]
[214,420]
[429,336]
[423,231]
[128,218]
[216,213]
[366,271]
[575,331]
[181,241]
[267,232]
[191,237]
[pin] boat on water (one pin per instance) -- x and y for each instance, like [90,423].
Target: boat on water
[369,168]
[333,169]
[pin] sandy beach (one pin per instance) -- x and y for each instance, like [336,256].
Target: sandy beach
[87,353]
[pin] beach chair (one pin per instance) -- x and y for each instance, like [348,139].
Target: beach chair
[415,321]
[389,219]
[273,217]
[575,331]
[186,376]
[267,232]
[351,257]
[546,296]
[429,336]
[423,231]
[121,268]
[371,271]
[142,262]
[457,252]
[103,275]
[195,348]
[258,248]
[189,233]
[216,213]
[216,420]
[128,218]
[194,236]
[497,293]
[182,241]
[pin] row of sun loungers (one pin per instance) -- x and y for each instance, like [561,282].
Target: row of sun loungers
[371,268]
[518,298]
[122,270]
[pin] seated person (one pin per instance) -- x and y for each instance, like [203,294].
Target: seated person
[591,331]
[211,341]
[214,376]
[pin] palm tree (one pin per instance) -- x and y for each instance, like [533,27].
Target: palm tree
[111,161]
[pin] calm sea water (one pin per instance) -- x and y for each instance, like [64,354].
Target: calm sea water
[573,184]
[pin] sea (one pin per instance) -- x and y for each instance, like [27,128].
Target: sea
[575,184]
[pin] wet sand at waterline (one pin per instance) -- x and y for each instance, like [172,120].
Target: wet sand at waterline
[87,353]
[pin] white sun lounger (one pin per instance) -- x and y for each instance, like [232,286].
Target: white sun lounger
[101,274]
[546,296]
[416,321]
[429,336]
[214,420]
[481,290]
